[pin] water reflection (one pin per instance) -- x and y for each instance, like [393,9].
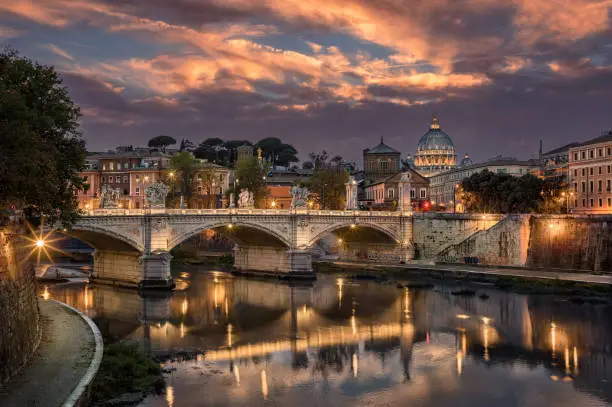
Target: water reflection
[341,342]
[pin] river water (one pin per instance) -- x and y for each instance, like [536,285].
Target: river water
[233,341]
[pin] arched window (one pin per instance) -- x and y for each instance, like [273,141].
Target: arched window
[391,193]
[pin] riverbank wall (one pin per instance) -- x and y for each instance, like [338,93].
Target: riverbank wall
[20,331]
[567,242]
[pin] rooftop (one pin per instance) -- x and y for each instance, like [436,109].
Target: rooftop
[601,139]
[382,148]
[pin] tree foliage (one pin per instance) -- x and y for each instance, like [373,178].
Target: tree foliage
[185,168]
[251,174]
[217,151]
[161,142]
[328,181]
[277,152]
[41,152]
[502,193]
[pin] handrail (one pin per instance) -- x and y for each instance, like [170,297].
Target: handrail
[240,211]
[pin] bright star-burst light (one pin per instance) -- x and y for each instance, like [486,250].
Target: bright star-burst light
[40,242]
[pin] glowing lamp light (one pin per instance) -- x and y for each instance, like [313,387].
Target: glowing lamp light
[230,226]
[550,225]
[273,204]
[40,243]
[463,316]
[339,240]
[353,226]
[486,320]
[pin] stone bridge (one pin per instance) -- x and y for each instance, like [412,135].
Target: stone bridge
[133,246]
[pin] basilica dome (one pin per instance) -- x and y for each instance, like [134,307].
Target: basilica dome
[435,151]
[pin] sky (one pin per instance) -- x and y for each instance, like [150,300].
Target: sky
[328,74]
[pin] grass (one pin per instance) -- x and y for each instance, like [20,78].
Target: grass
[125,369]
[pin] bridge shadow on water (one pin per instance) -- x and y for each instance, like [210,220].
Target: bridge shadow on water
[358,340]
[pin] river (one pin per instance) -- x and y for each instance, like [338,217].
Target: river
[233,341]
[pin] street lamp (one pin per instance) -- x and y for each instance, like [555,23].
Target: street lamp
[273,204]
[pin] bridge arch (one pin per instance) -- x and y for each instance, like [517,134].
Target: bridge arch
[235,232]
[103,238]
[350,225]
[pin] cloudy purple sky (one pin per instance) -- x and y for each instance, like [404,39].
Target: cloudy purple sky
[333,74]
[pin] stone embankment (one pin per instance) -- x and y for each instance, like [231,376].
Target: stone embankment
[579,243]
[19,313]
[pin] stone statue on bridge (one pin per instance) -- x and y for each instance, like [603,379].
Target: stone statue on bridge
[299,197]
[156,194]
[109,197]
[245,199]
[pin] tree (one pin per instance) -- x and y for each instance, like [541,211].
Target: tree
[502,193]
[251,175]
[186,145]
[307,165]
[327,181]
[211,150]
[185,169]
[276,152]
[41,151]
[161,142]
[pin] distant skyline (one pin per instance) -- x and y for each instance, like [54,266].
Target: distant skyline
[334,75]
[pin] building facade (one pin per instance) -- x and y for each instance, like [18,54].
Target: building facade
[132,171]
[435,152]
[384,194]
[380,162]
[590,175]
[444,187]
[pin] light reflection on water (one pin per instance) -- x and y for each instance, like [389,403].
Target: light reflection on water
[240,342]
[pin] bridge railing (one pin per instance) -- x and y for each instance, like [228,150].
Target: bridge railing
[241,211]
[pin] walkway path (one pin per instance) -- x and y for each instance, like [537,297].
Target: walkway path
[496,271]
[65,352]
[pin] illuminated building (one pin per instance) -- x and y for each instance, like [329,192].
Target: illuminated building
[435,151]
[590,175]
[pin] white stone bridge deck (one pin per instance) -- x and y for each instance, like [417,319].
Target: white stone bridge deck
[133,245]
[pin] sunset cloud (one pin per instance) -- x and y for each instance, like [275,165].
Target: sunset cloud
[317,63]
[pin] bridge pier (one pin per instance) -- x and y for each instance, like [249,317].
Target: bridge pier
[132,269]
[272,259]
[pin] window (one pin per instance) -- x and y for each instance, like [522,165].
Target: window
[118,165]
[384,165]
[609,151]
[600,203]
[591,186]
[609,187]
[126,164]
[599,170]
[423,193]
[137,190]
[391,193]
[575,187]
[591,170]
[575,173]
[609,168]
[125,179]
[412,193]
[583,154]
[591,203]
[103,167]
[118,179]
[583,172]
[111,166]
[600,152]
[110,180]
[583,187]
[103,179]
[575,156]
[591,154]
[584,203]
[609,202]
[575,203]
[599,187]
